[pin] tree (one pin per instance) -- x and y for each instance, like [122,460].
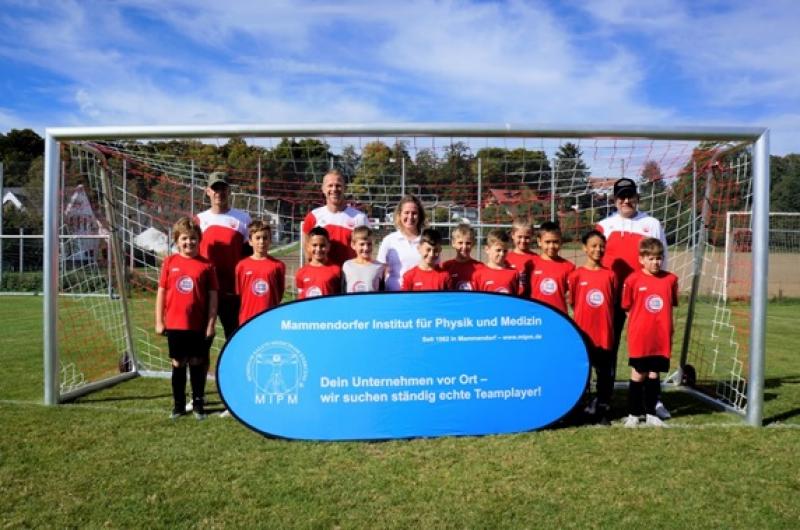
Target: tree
[18,149]
[572,175]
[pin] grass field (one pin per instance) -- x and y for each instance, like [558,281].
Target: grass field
[114,459]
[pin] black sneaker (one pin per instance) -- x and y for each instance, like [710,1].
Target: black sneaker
[177,413]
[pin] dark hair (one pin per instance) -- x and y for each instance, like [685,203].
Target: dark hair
[431,236]
[551,227]
[651,246]
[497,235]
[319,231]
[259,226]
[590,234]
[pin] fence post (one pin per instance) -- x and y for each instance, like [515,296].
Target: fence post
[21,251]
[1,224]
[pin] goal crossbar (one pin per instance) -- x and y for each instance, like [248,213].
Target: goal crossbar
[760,199]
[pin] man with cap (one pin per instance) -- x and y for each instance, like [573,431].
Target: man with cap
[624,229]
[224,243]
[336,217]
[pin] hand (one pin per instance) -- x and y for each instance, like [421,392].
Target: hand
[160,329]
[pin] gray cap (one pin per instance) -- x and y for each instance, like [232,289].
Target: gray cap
[216,177]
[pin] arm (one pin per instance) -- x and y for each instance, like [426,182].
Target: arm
[161,300]
[212,313]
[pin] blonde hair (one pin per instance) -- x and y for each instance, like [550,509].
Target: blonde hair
[521,223]
[185,225]
[361,232]
[498,235]
[462,230]
[420,211]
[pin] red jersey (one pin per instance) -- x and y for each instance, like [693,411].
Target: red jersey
[314,281]
[592,295]
[649,301]
[340,227]
[461,273]
[259,284]
[549,281]
[491,280]
[623,236]
[416,279]
[224,236]
[187,282]
[523,264]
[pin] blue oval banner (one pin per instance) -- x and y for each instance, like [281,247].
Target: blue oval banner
[400,365]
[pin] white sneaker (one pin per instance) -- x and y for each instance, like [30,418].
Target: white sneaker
[591,408]
[225,414]
[654,421]
[631,421]
[661,411]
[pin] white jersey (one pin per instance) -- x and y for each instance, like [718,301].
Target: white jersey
[362,277]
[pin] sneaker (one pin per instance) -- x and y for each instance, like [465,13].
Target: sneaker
[225,414]
[631,421]
[200,416]
[662,412]
[652,420]
[603,414]
[591,408]
[189,407]
[176,413]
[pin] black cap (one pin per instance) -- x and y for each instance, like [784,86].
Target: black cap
[625,188]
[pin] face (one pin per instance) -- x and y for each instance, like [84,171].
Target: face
[522,238]
[429,253]
[550,243]
[333,189]
[463,246]
[260,242]
[187,244]
[652,263]
[409,218]
[595,248]
[627,205]
[317,249]
[219,194]
[496,254]
[363,248]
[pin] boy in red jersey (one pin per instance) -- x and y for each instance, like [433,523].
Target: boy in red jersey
[462,267]
[362,274]
[260,278]
[318,277]
[521,257]
[186,312]
[428,276]
[592,295]
[649,296]
[496,276]
[550,270]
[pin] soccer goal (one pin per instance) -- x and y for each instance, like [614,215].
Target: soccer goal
[134,182]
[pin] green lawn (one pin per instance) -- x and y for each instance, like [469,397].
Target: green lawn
[114,459]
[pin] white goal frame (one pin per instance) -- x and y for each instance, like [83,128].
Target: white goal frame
[760,203]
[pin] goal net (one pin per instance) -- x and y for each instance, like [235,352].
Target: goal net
[119,196]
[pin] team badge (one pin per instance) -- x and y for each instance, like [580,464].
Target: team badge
[548,286]
[464,286]
[595,298]
[260,287]
[185,284]
[359,287]
[654,303]
[313,291]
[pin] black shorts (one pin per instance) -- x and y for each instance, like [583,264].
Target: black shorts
[185,344]
[651,363]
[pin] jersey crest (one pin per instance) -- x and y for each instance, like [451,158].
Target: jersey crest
[185,284]
[654,303]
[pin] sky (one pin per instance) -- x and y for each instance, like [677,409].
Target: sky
[586,62]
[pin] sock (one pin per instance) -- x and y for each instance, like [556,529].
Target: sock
[197,375]
[652,389]
[635,391]
[179,388]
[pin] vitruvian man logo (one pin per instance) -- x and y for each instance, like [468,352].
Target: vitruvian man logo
[277,371]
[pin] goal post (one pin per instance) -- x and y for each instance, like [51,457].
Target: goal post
[482,173]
